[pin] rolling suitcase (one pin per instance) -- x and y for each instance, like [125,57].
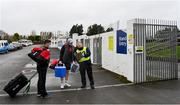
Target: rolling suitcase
[16,84]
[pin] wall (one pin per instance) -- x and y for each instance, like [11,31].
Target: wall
[119,63]
[127,64]
[111,60]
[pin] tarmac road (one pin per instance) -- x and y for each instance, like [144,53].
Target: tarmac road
[109,89]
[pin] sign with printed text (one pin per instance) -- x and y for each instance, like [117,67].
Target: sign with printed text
[110,43]
[121,42]
[139,49]
[130,39]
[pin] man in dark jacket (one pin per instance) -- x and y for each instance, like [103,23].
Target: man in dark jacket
[66,57]
[42,69]
[83,57]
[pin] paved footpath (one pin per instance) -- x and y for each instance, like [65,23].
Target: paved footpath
[166,92]
[109,89]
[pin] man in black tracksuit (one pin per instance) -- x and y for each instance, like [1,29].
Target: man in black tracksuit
[42,70]
[83,57]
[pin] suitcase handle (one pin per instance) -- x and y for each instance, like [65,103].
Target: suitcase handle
[33,76]
[29,80]
[30,71]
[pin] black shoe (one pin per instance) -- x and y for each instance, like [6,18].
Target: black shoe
[92,87]
[83,86]
[44,96]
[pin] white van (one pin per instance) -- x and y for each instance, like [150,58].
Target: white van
[24,42]
[30,42]
[4,46]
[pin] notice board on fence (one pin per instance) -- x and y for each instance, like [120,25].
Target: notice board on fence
[110,43]
[121,42]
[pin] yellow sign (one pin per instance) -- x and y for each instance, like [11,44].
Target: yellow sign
[130,39]
[111,43]
[139,49]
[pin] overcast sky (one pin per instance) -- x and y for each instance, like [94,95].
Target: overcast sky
[23,16]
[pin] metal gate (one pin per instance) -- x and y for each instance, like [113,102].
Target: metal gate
[87,43]
[97,50]
[155,55]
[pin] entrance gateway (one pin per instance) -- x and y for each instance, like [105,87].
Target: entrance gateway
[155,55]
[143,52]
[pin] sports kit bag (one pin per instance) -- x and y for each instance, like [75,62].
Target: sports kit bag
[39,55]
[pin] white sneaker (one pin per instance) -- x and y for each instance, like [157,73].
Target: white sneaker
[38,95]
[62,86]
[68,85]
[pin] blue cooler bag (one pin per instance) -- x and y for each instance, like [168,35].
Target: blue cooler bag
[60,71]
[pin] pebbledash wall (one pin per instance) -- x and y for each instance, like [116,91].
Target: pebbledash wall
[115,48]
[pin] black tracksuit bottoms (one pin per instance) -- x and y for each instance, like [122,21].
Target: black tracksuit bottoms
[41,85]
[86,67]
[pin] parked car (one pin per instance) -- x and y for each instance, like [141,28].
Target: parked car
[30,42]
[4,46]
[12,47]
[24,42]
[18,45]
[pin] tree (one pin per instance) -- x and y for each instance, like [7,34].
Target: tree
[37,38]
[21,37]
[76,29]
[95,29]
[34,38]
[31,38]
[73,30]
[15,37]
[109,29]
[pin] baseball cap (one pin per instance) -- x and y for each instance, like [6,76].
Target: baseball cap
[70,41]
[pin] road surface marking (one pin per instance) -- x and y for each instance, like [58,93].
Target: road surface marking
[75,89]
